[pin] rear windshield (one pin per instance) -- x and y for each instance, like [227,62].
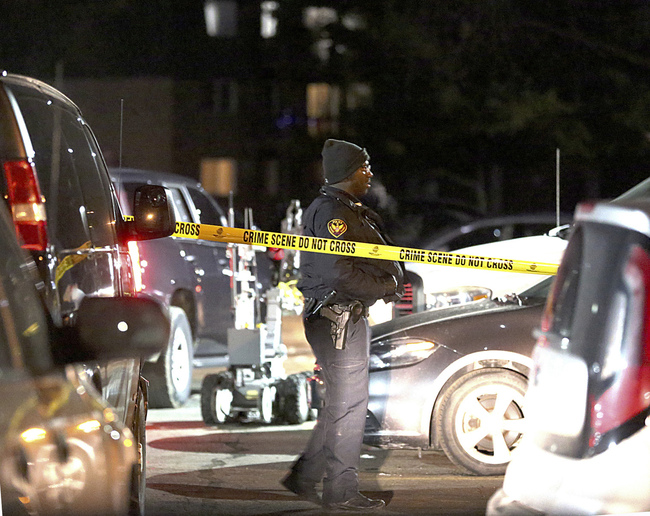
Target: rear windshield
[71,172]
[562,298]
[586,285]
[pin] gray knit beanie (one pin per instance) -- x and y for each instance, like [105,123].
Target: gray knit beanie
[341,159]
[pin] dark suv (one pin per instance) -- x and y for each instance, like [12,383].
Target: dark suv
[65,212]
[62,450]
[587,446]
[192,277]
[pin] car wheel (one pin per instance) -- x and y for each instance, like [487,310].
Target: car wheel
[139,472]
[216,399]
[266,404]
[170,377]
[481,420]
[295,401]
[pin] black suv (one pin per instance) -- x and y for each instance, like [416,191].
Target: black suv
[62,450]
[191,277]
[65,212]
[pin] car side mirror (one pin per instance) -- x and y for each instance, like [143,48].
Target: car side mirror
[109,328]
[153,213]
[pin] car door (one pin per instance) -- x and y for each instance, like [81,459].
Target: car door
[211,267]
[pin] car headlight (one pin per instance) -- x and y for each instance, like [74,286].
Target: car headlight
[400,352]
[456,296]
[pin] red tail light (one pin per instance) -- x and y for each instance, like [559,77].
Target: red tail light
[134,253]
[405,305]
[27,204]
[628,359]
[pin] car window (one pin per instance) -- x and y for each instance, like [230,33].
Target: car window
[67,162]
[562,299]
[181,209]
[98,196]
[125,192]
[208,211]
[477,236]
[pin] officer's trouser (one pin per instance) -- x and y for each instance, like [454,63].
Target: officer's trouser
[334,448]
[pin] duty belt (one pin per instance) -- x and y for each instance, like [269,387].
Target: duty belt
[356,307]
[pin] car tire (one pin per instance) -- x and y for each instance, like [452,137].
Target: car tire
[471,435]
[295,402]
[139,471]
[266,396]
[170,377]
[216,399]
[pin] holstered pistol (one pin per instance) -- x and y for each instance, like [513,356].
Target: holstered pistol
[339,324]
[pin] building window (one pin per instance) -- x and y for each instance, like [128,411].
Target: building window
[358,95]
[268,19]
[315,18]
[354,21]
[323,101]
[219,176]
[220,18]
[225,96]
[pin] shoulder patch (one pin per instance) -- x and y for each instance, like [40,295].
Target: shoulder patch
[337,227]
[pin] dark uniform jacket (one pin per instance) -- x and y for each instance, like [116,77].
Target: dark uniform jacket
[335,214]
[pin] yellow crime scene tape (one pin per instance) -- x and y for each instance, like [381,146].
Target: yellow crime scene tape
[359,249]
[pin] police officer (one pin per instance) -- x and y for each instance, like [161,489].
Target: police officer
[338,291]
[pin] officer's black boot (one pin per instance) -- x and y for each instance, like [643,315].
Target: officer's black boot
[358,502]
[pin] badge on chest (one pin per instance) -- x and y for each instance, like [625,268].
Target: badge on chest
[337,227]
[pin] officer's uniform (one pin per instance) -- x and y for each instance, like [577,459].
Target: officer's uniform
[334,449]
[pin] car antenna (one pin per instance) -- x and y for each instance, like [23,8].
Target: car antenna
[557,186]
[121,124]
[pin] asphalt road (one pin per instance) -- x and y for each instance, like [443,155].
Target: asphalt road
[236,469]
[194,469]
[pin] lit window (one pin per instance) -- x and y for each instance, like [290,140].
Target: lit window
[322,49]
[353,21]
[319,17]
[220,18]
[219,175]
[268,20]
[323,101]
[316,19]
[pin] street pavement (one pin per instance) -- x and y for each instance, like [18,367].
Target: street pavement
[194,469]
[236,469]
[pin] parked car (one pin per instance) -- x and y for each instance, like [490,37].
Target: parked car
[485,230]
[587,446]
[191,277]
[435,286]
[454,379]
[63,449]
[65,212]
[438,281]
